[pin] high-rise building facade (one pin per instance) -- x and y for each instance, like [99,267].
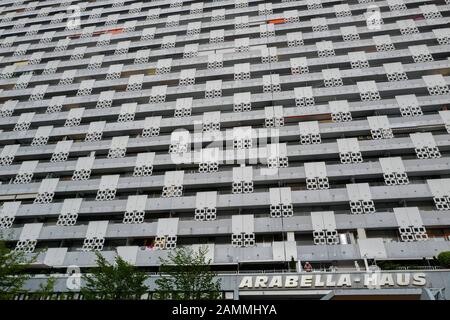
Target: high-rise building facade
[275,133]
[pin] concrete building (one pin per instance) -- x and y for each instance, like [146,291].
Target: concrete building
[273,132]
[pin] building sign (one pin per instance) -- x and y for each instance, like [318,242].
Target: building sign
[334,280]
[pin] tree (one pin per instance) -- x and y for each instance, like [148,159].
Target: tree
[13,265]
[444,259]
[116,281]
[46,290]
[186,275]
[292,264]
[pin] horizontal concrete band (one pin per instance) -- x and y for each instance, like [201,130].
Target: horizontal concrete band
[228,22]
[310,153]
[253,55]
[257,200]
[227,121]
[229,4]
[172,91]
[286,98]
[223,226]
[294,173]
[226,254]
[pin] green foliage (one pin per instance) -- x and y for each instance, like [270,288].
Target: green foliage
[292,264]
[117,281]
[186,275]
[46,290]
[444,259]
[13,265]
[388,265]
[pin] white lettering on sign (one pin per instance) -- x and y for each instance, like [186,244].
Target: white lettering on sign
[371,280]
[246,282]
[403,279]
[344,281]
[261,281]
[319,282]
[387,280]
[419,279]
[276,281]
[291,282]
[306,281]
[368,280]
